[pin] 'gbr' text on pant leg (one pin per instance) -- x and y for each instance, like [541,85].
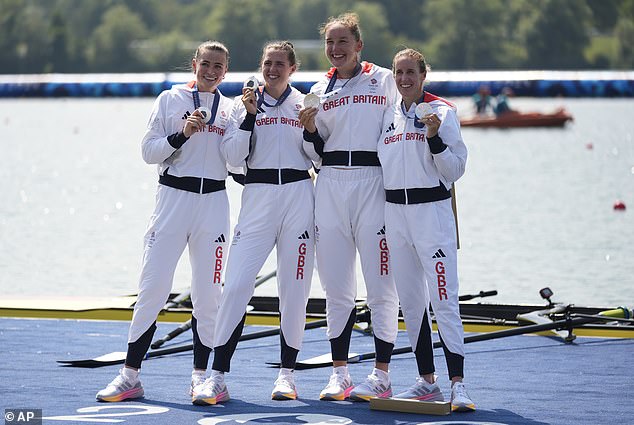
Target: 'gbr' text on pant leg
[442,282]
[385,257]
[218,265]
[301,261]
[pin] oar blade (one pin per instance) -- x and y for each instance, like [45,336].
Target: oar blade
[314,362]
[116,357]
[324,360]
[542,317]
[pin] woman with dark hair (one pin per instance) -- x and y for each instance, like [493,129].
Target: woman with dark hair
[277,211]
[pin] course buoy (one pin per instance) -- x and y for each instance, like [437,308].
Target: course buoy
[619,205]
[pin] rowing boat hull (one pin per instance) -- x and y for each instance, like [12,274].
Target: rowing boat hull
[519,119]
[477,317]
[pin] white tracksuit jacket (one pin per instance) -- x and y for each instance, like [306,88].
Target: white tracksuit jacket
[272,214]
[421,233]
[349,202]
[182,217]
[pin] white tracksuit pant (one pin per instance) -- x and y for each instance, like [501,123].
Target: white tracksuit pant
[271,215]
[183,218]
[349,216]
[422,241]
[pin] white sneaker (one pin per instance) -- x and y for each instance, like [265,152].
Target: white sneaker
[126,385]
[212,391]
[422,390]
[284,388]
[339,386]
[377,384]
[197,380]
[460,401]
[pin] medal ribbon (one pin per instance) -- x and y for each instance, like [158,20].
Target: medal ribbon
[333,79]
[214,106]
[417,123]
[260,96]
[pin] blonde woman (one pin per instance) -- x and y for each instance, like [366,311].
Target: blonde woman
[423,154]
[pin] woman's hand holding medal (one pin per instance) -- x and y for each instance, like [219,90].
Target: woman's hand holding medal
[308,114]
[196,121]
[425,115]
[248,95]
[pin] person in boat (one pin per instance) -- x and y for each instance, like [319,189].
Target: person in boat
[349,200]
[502,105]
[420,224]
[482,100]
[192,209]
[277,211]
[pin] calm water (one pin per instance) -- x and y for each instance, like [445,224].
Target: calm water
[535,206]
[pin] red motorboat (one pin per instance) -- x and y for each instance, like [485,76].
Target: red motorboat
[514,119]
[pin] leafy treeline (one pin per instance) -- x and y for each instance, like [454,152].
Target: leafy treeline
[81,36]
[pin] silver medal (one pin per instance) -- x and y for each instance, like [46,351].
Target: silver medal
[311,101]
[251,83]
[206,113]
[423,109]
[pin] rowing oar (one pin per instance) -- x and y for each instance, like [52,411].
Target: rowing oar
[543,316]
[326,357]
[188,324]
[118,357]
[480,294]
[177,300]
[325,360]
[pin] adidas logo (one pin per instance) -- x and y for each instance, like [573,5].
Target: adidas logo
[392,127]
[439,254]
[221,238]
[186,115]
[304,235]
[382,231]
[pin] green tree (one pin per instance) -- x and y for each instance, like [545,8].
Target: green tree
[25,46]
[113,40]
[9,19]
[469,35]
[557,34]
[60,50]
[244,26]
[376,33]
[169,52]
[625,46]
[405,18]
[305,17]
[625,36]
[156,35]
[605,14]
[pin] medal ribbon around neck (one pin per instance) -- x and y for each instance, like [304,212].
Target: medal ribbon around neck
[260,97]
[333,80]
[214,106]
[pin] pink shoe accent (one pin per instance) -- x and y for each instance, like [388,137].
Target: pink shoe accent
[425,397]
[348,390]
[385,394]
[223,396]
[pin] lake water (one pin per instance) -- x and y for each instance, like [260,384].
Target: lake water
[535,205]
